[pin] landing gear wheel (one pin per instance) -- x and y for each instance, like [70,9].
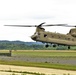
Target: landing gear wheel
[54,45]
[46,45]
[68,47]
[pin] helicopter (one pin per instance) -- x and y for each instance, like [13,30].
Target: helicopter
[52,38]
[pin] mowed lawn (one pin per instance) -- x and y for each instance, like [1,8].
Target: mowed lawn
[45,53]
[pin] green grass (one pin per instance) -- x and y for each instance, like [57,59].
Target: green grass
[44,65]
[43,53]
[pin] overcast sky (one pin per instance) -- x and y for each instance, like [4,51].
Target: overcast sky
[34,12]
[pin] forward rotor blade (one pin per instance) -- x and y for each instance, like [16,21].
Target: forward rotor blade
[21,25]
[66,25]
[55,25]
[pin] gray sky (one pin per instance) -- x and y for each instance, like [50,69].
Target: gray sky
[32,12]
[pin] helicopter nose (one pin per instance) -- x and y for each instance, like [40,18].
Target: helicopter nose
[33,37]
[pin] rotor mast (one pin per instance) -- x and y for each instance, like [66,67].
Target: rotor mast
[39,28]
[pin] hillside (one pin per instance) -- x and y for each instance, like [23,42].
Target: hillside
[5,44]
[21,45]
[20,42]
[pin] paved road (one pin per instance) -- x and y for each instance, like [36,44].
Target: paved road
[54,60]
[35,69]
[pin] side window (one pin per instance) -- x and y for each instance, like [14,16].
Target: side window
[45,35]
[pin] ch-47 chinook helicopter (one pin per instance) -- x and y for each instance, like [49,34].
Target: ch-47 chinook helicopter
[41,35]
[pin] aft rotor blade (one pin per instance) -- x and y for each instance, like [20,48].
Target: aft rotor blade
[21,25]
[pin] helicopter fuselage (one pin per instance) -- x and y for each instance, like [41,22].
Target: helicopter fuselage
[54,38]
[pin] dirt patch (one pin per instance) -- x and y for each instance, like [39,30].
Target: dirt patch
[36,70]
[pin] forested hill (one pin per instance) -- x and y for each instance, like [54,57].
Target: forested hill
[19,42]
[20,45]
[4,44]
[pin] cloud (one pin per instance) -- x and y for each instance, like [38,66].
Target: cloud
[41,16]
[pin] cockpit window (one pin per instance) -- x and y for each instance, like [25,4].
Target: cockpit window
[36,33]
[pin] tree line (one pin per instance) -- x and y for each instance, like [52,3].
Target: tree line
[19,45]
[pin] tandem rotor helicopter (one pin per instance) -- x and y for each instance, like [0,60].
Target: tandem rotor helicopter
[55,39]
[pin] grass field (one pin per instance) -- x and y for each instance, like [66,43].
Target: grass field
[44,65]
[42,53]
[45,53]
